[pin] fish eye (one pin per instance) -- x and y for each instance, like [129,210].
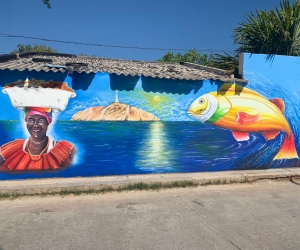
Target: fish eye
[201,100]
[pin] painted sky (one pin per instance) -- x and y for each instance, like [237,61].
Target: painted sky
[204,25]
[166,106]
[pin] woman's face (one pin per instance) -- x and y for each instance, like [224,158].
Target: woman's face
[37,126]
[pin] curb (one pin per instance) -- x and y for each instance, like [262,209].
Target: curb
[52,186]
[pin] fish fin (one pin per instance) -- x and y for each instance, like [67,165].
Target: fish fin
[235,89]
[240,136]
[279,103]
[270,135]
[246,119]
[288,149]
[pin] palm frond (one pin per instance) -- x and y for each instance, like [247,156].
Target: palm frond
[271,32]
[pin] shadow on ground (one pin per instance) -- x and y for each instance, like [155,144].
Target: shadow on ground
[295,182]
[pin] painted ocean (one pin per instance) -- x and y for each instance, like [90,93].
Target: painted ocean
[120,148]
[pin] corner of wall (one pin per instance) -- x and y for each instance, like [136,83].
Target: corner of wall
[241,64]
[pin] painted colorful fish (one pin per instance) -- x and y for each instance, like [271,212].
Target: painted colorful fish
[242,110]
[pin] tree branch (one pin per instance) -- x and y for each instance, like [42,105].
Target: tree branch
[47,3]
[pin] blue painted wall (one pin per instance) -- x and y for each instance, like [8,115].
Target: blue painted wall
[176,143]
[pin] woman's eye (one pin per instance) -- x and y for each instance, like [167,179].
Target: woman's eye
[41,121]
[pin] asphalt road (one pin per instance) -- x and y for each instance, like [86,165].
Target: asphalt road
[263,215]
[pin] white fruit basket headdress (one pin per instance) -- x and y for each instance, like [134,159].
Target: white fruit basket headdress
[33,93]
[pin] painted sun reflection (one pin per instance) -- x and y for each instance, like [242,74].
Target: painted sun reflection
[155,153]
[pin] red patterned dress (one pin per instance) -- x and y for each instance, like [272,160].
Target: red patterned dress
[56,155]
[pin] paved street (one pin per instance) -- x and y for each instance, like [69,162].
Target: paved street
[263,215]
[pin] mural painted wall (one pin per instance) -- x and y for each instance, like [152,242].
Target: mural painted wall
[101,124]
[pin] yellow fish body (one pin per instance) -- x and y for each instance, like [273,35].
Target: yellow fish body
[242,110]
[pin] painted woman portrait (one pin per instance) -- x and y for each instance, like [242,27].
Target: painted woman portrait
[39,151]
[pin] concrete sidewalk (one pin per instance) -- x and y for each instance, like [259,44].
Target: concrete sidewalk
[56,185]
[249,216]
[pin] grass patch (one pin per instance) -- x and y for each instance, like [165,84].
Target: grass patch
[6,196]
[155,186]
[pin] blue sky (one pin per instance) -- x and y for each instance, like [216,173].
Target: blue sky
[204,25]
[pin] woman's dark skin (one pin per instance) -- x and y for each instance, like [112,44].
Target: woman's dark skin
[37,127]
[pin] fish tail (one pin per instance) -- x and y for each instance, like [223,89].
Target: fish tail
[288,149]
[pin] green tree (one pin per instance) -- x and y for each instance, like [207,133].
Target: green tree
[192,56]
[34,48]
[84,54]
[271,32]
[47,3]
[226,61]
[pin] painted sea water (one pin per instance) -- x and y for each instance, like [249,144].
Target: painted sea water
[120,148]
